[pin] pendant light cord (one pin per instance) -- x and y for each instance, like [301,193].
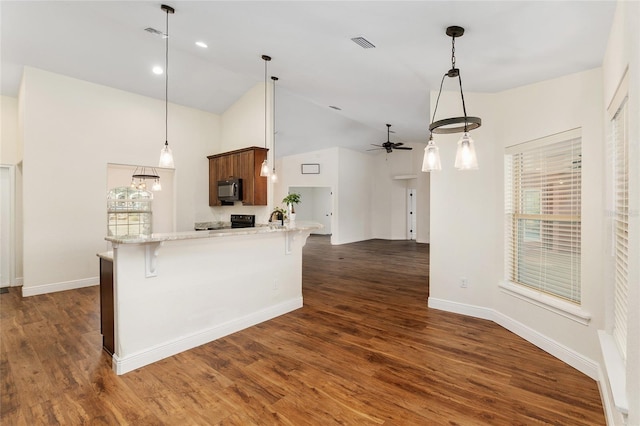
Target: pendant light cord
[453,66]
[274,122]
[438,99]
[166,86]
[265,103]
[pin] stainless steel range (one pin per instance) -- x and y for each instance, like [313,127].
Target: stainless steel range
[243,220]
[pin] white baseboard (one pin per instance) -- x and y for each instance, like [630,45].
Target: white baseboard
[122,365]
[62,286]
[558,350]
[18,282]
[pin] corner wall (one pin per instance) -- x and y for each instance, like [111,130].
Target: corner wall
[71,130]
[467,222]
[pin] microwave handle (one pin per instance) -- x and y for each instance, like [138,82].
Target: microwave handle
[235,189]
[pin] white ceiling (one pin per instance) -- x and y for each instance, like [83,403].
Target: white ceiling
[506,44]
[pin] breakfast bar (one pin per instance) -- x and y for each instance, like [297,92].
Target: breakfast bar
[172,292]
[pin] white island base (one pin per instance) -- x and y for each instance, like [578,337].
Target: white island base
[173,292]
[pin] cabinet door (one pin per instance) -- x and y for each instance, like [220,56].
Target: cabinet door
[213,181]
[245,171]
[259,182]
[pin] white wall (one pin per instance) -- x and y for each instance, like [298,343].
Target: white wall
[71,130]
[10,152]
[467,208]
[243,125]
[623,54]
[573,101]
[467,222]
[389,198]
[290,175]
[466,217]
[353,198]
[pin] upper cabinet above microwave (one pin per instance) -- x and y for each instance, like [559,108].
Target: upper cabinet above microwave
[242,164]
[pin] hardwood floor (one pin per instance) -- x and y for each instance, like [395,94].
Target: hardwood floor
[363,350]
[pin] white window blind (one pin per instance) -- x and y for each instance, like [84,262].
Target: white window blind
[620,142]
[542,206]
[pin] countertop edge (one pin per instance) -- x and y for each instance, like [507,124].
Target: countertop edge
[190,235]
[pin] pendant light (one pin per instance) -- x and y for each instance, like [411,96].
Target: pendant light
[142,175]
[466,153]
[264,169]
[166,155]
[274,176]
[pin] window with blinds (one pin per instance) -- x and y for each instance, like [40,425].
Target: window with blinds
[542,207]
[620,148]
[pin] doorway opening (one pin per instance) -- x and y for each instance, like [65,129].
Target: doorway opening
[316,205]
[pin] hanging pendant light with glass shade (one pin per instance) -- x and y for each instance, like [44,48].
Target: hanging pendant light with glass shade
[264,169]
[274,176]
[431,159]
[466,154]
[166,155]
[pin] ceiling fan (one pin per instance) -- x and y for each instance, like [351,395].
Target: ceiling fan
[388,145]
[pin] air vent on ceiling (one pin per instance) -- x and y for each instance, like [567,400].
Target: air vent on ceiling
[363,42]
[155,32]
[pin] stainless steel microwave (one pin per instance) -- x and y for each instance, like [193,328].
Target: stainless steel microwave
[230,189]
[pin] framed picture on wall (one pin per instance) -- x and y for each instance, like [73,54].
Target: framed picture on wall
[310,169]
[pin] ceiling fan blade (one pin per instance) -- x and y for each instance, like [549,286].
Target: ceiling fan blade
[407,148]
[375,149]
[398,143]
[377,145]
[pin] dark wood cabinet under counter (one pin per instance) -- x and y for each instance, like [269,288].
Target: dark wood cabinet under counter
[244,164]
[106,302]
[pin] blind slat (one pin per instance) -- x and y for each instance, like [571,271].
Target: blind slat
[543,207]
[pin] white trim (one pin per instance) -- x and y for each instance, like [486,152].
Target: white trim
[567,135]
[12,222]
[538,298]
[622,91]
[615,371]
[558,350]
[61,286]
[122,365]
[19,281]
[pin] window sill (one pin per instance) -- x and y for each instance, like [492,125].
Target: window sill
[615,371]
[560,307]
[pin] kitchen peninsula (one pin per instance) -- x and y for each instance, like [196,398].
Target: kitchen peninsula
[175,291]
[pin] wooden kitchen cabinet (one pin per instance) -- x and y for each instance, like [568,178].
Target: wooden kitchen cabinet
[106,305]
[244,164]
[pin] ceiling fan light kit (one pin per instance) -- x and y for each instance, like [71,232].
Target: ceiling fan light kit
[466,155]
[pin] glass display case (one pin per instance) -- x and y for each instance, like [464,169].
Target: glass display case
[129,212]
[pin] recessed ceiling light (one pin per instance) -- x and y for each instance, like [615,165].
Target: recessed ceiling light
[201,44]
[157,70]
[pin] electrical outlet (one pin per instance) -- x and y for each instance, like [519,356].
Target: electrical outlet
[463,282]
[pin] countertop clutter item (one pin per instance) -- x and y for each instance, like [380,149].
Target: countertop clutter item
[129,212]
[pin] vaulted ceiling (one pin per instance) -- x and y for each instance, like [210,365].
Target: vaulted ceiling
[506,44]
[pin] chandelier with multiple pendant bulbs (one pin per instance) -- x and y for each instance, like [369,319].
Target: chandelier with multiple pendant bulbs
[466,154]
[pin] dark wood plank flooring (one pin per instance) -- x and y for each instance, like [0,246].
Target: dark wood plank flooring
[363,350]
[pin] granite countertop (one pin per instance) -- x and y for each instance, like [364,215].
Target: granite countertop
[230,232]
[107,255]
